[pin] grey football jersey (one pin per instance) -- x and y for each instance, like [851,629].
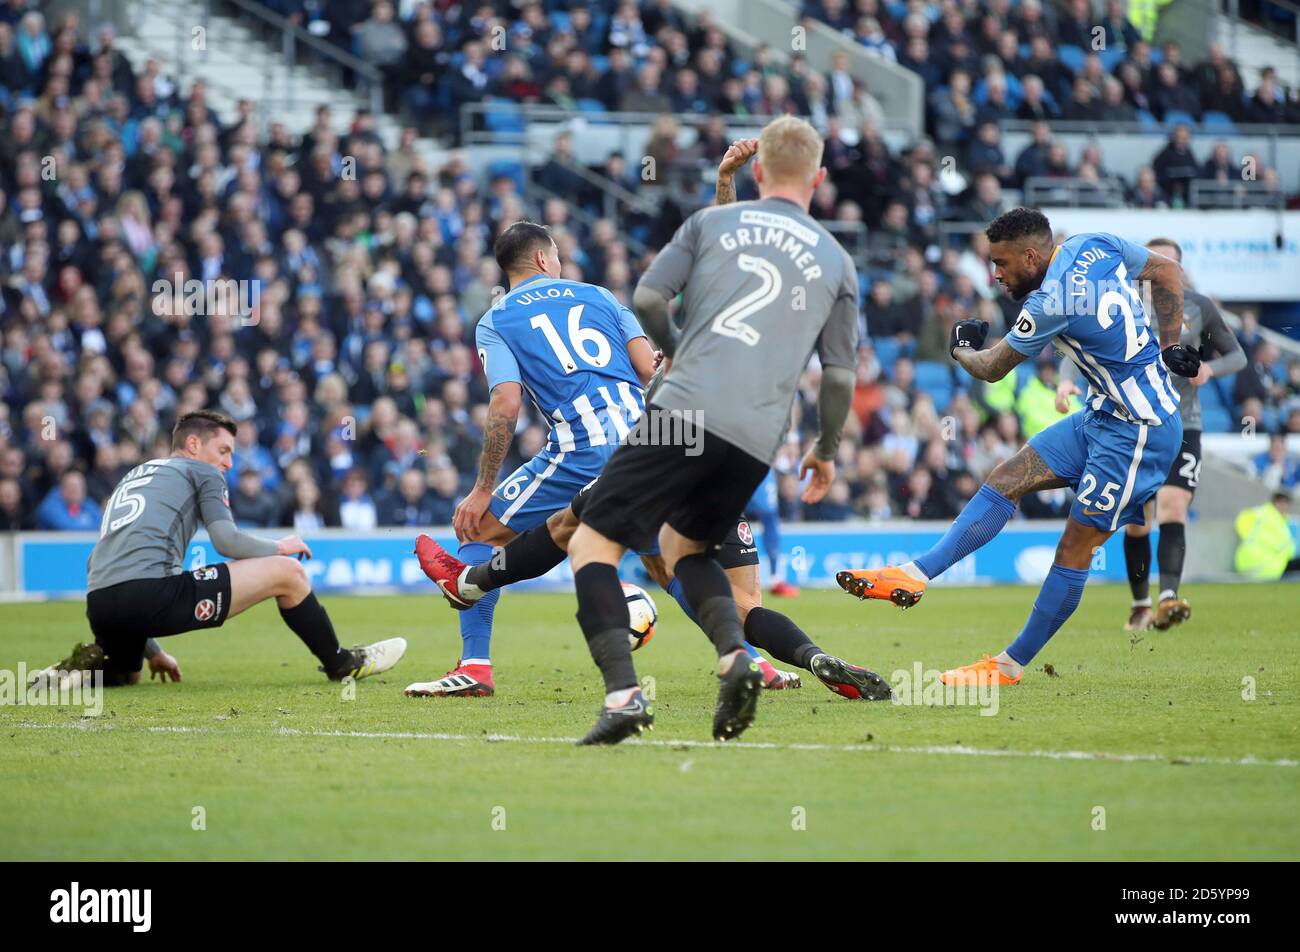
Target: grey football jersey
[151,517]
[1203,325]
[763,284]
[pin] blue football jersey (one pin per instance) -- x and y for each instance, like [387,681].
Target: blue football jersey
[1090,307]
[566,343]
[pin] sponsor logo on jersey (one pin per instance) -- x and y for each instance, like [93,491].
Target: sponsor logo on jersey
[225,496]
[205,574]
[746,534]
[205,609]
[1025,324]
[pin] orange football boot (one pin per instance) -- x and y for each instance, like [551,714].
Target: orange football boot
[888,583]
[981,672]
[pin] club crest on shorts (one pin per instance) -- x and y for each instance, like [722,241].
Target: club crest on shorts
[205,609]
[205,574]
[746,534]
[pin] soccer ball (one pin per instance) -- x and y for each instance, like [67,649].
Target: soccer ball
[643,615]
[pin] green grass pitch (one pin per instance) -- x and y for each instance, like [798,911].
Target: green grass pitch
[1136,748]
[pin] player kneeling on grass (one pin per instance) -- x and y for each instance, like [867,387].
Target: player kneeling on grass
[137,589]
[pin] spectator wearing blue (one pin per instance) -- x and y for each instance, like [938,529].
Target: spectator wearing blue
[357,510]
[250,454]
[1277,468]
[66,508]
[410,505]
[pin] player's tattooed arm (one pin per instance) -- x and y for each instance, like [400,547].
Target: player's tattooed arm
[503,414]
[741,151]
[990,365]
[1165,277]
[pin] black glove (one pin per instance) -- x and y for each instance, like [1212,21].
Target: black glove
[969,333]
[1182,360]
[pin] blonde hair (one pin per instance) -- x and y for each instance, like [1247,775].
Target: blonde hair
[790,151]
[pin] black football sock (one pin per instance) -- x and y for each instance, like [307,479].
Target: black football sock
[780,637]
[528,555]
[309,622]
[1137,560]
[708,592]
[603,616]
[1171,549]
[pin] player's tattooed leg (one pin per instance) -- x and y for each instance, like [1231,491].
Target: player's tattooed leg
[1022,474]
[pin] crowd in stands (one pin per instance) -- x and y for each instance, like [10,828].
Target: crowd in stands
[346,353]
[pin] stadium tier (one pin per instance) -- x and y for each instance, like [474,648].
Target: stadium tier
[321,283]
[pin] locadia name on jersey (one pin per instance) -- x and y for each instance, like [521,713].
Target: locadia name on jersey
[766,229]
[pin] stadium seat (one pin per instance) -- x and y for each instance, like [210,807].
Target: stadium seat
[510,169]
[1176,117]
[590,105]
[503,116]
[1216,420]
[1111,58]
[887,352]
[1072,58]
[1219,122]
[935,378]
[1148,122]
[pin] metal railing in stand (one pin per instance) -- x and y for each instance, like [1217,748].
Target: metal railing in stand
[1233,9]
[298,47]
[294,40]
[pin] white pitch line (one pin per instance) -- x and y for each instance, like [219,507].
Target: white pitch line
[931,749]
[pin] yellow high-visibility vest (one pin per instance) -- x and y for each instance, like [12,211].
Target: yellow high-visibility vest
[1266,545]
[1144,15]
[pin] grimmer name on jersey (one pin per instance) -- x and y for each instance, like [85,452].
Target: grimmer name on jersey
[763,284]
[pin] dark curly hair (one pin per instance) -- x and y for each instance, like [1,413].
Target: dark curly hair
[1019,223]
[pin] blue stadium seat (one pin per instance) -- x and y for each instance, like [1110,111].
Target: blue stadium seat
[887,352]
[503,116]
[601,63]
[510,169]
[935,378]
[1111,58]
[1176,117]
[1071,57]
[1219,122]
[1148,122]
[590,105]
[1216,420]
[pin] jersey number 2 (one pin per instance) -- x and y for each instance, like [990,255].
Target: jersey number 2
[1135,338]
[731,322]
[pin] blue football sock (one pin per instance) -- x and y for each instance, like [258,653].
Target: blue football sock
[753,652]
[979,521]
[675,590]
[476,622]
[1057,600]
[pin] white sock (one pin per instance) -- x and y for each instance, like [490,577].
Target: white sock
[486,661]
[1168,593]
[619,698]
[467,589]
[911,569]
[1010,667]
[1142,603]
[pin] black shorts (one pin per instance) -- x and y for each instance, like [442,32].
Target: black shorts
[1186,471]
[736,550]
[645,485]
[124,616]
